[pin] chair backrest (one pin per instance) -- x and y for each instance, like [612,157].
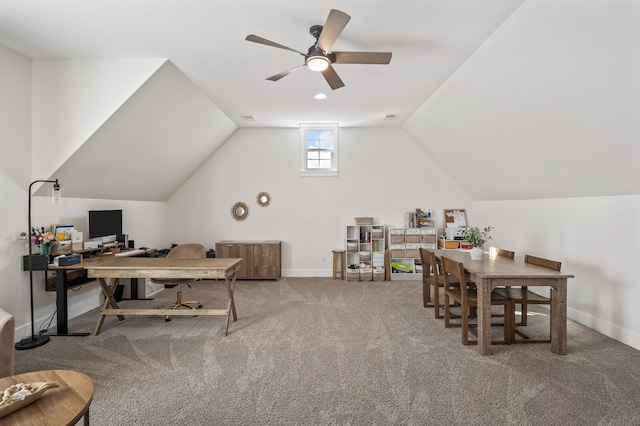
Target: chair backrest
[545,263]
[505,253]
[455,269]
[188,251]
[429,264]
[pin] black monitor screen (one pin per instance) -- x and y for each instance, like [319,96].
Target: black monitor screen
[104,222]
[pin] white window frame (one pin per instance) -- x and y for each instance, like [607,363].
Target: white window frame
[304,170]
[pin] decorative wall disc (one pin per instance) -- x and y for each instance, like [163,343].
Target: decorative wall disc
[263,199]
[240,211]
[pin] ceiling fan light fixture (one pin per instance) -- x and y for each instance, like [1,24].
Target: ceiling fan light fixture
[318,63]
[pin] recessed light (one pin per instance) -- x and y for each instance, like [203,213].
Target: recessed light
[320,96]
[391,116]
[248,118]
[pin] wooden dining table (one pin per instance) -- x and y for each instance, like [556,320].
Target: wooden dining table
[495,271]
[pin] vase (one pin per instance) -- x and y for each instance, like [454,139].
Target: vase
[477,253]
[45,250]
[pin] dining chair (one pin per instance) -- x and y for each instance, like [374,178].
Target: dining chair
[431,278]
[466,295]
[523,296]
[182,251]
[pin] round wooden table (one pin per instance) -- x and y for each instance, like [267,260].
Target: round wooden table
[63,405]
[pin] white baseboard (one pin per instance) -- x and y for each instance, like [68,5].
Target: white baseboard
[628,337]
[307,273]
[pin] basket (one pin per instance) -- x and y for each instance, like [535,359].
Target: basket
[378,274]
[364,220]
[353,275]
[365,256]
[366,275]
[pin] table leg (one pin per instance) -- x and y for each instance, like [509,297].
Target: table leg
[559,317]
[86,417]
[108,291]
[484,316]
[231,306]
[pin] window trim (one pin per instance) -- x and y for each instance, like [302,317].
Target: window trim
[304,127]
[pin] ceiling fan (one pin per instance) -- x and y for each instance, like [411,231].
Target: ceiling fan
[319,56]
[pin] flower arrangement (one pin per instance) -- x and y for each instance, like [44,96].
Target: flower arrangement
[477,237]
[40,236]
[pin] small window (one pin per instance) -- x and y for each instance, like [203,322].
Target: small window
[319,153]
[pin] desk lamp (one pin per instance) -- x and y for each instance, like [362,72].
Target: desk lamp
[36,340]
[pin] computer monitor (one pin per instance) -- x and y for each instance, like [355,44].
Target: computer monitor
[105,223]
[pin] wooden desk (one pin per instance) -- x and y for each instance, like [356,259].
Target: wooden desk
[494,271]
[62,321]
[64,405]
[133,267]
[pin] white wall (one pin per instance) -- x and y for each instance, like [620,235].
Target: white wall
[15,136]
[144,221]
[383,173]
[596,239]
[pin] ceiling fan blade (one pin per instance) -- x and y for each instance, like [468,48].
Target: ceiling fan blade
[257,39]
[360,57]
[336,21]
[283,74]
[332,78]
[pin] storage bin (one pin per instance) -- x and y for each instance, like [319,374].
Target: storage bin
[377,233]
[366,274]
[352,246]
[448,244]
[378,274]
[353,275]
[428,238]
[412,253]
[397,239]
[431,246]
[397,252]
[365,256]
[413,238]
[364,220]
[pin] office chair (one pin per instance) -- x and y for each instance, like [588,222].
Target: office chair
[182,251]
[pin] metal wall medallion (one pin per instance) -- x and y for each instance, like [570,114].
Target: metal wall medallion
[263,199]
[240,211]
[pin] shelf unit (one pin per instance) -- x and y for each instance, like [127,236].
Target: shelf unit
[404,249]
[365,244]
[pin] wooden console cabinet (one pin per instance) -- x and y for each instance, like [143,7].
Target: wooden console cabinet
[261,258]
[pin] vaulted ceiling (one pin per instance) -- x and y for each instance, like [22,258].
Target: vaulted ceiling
[515,99]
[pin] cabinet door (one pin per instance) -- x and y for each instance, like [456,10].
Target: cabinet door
[225,250]
[244,251]
[265,260]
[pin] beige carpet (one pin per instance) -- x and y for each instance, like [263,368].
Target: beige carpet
[317,352]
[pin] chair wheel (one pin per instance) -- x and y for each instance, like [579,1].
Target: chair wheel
[199,306]
[167,319]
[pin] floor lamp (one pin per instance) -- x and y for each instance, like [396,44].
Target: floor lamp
[36,340]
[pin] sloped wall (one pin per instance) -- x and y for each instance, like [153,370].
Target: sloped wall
[146,147]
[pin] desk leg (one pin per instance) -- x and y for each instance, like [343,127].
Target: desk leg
[559,317]
[62,322]
[61,302]
[484,316]
[108,291]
